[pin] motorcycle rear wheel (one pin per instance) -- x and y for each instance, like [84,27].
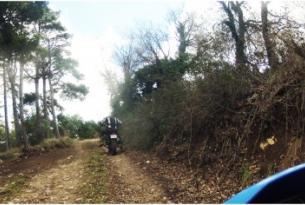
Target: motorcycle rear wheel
[113,147]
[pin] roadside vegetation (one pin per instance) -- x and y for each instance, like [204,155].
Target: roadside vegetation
[45,146]
[231,99]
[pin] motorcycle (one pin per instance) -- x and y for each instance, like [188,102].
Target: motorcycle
[113,144]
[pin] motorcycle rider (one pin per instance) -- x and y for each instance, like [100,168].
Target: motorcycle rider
[110,125]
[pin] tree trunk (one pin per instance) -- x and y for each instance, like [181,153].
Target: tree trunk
[269,44]
[22,126]
[183,41]
[12,79]
[55,124]
[44,102]
[38,128]
[241,58]
[237,34]
[7,131]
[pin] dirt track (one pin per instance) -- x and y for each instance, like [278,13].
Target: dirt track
[85,173]
[58,177]
[131,184]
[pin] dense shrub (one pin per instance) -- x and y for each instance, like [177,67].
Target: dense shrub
[75,127]
[33,132]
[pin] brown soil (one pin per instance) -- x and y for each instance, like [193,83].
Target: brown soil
[32,165]
[129,183]
[55,177]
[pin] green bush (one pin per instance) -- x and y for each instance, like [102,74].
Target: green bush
[135,136]
[31,129]
[76,127]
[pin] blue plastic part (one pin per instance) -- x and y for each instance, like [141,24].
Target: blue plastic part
[249,194]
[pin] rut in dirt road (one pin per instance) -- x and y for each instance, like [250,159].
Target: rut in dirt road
[130,184]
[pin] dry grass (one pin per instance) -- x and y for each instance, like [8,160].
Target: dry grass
[12,154]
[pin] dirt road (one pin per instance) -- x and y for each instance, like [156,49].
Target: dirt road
[61,179]
[85,173]
[131,184]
